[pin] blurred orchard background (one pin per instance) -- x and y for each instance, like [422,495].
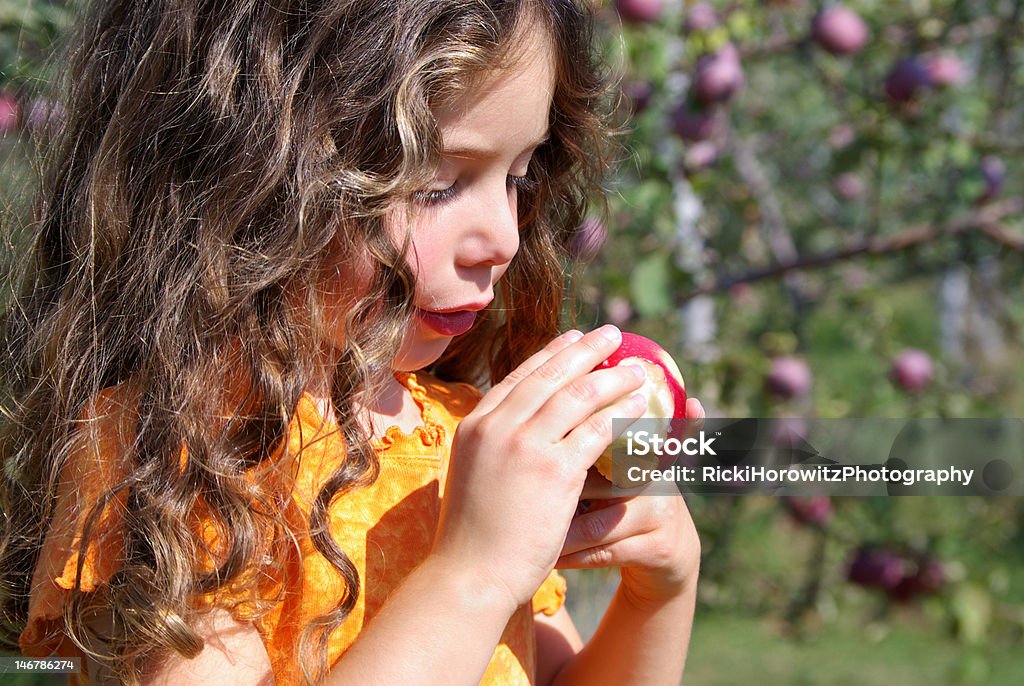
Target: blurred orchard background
[820,214]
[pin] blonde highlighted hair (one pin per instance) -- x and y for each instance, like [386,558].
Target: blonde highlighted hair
[212,156]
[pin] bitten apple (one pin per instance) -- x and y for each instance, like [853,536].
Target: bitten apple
[664,389]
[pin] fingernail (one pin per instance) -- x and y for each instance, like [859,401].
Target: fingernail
[573,335]
[640,372]
[611,332]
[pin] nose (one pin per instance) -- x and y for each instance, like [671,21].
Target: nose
[493,238]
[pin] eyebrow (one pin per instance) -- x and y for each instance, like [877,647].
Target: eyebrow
[484,152]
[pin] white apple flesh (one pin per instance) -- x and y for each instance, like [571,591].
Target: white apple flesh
[665,392]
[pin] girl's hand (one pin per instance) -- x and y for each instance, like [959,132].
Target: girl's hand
[651,537]
[520,459]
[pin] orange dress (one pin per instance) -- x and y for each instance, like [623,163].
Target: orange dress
[386,529]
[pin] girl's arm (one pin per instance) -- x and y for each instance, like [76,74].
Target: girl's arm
[233,653]
[645,633]
[636,643]
[558,641]
[439,627]
[518,467]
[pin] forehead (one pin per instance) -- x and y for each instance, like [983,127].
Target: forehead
[517,94]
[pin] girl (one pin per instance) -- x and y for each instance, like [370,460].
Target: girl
[260,220]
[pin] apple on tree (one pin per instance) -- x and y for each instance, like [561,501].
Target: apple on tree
[665,392]
[993,171]
[700,17]
[906,80]
[912,370]
[640,11]
[840,30]
[693,124]
[719,75]
[8,113]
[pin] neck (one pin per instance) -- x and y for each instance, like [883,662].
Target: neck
[393,406]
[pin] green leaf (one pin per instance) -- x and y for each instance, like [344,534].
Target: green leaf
[650,285]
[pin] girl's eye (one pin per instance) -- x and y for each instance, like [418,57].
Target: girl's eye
[437,197]
[522,184]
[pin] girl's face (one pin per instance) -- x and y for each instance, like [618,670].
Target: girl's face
[466,224]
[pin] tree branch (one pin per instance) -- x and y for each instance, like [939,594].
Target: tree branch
[984,220]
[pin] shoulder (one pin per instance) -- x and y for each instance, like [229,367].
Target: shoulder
[232,650]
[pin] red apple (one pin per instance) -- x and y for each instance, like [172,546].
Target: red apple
[849,186]
[789,377]
[700,155]
[640,10]
[839,30]
[618,310]
[908,77]
[8,113]
[719,75]
[664,389]
[876,567]
[912,370]
[813,510]
[931,575]
[993,171]
[945,69]
[841,136]
[693,125]
[700,17]
[927,578]
[639,94]
[590,238]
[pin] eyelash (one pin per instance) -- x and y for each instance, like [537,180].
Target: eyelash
[522,184]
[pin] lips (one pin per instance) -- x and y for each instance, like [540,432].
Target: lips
[448,323]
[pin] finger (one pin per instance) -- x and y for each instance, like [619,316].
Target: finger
[695,417]
[624,552]
[502,389]
[526,397]
[604,526]
[590,438]
[583,396]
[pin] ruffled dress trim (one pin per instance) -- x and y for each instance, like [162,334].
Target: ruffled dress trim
[550,597]
[431,432]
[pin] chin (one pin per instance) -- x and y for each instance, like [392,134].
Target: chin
[411,358]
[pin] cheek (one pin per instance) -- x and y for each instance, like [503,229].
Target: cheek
[424,258]
[419,243]
[428,248]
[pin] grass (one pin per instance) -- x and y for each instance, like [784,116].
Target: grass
[909,647]
[729,649]
[33,679]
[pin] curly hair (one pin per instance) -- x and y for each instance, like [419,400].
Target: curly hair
[213,153]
